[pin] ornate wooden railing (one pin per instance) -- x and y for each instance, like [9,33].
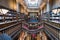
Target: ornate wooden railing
[12,30]
[52,31]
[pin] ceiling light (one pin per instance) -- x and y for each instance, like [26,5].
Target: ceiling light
[4,11]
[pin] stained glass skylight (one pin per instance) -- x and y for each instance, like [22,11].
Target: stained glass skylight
[32,3]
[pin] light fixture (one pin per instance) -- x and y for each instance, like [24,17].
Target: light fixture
[58,10]
[4,11]
[55,11]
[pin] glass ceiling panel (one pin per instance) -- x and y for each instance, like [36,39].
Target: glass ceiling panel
[32,3]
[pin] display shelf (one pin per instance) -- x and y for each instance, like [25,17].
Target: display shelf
[8,22]
[1,17]
[9,17]
[54,17]
[55,21]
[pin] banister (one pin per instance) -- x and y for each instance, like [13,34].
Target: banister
[50,34]
[55,28]
[14,32]
[8,27]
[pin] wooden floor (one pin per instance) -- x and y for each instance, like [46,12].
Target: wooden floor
[40,36]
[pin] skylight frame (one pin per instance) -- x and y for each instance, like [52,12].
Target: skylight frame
[33,6]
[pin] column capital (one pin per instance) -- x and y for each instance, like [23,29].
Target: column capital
[17,1]
[47,1]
